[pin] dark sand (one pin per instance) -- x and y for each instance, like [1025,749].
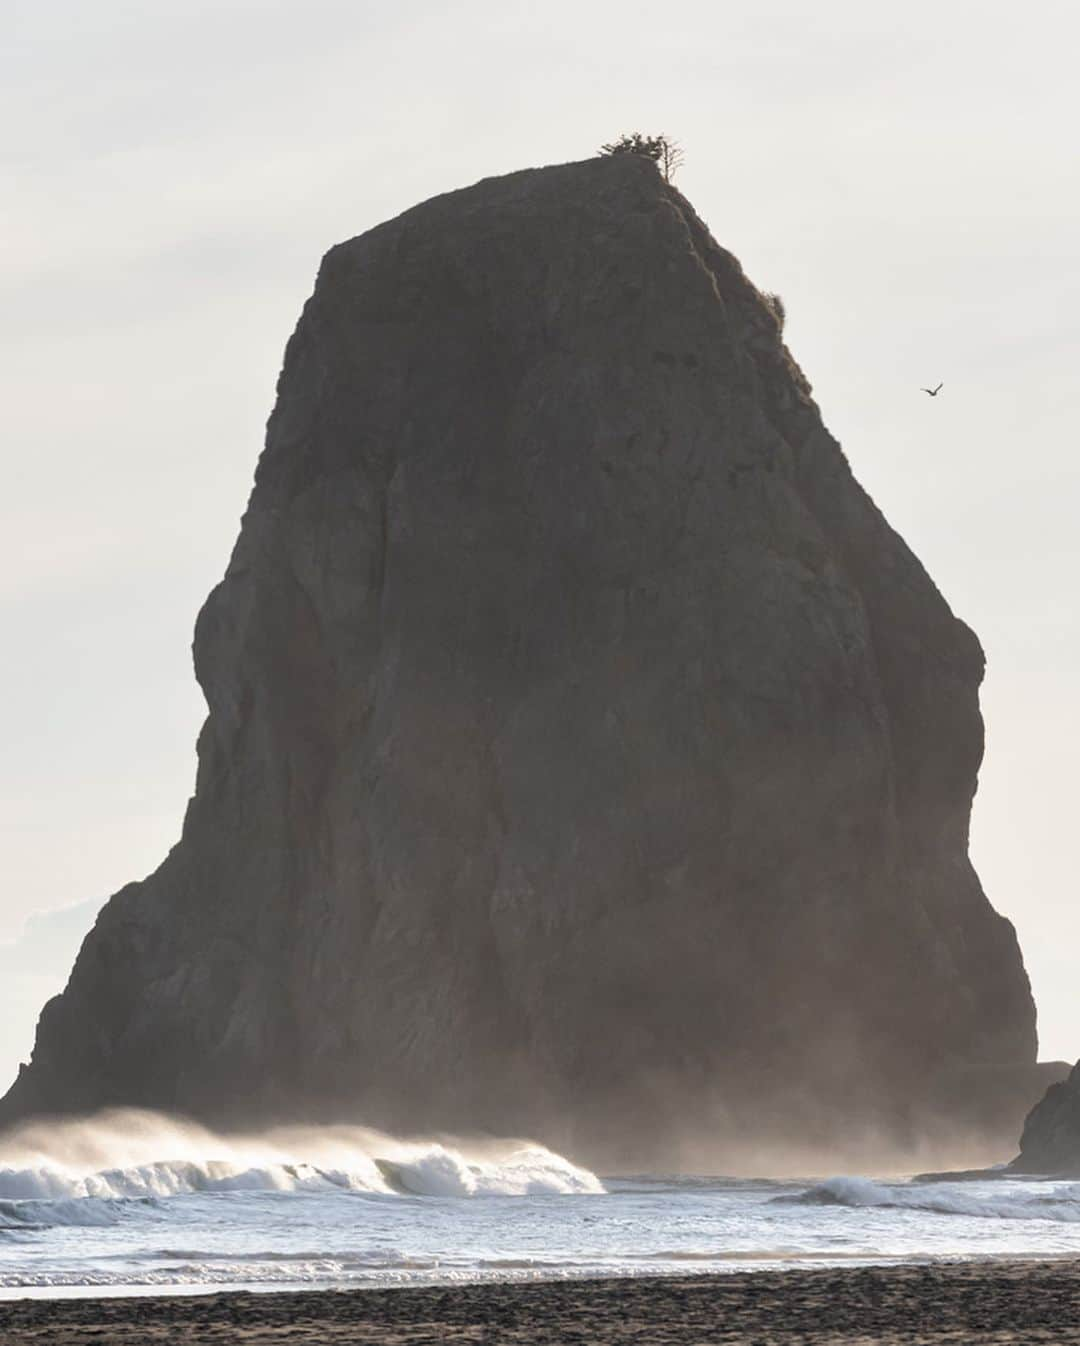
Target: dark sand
[966,1303]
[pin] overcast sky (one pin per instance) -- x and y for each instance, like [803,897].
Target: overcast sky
[905,176]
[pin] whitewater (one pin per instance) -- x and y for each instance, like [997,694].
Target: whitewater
[132,1203]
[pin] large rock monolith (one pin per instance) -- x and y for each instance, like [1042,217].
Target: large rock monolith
[586,755]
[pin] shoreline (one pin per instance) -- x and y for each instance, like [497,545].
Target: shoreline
[741,1264]
[985,1300]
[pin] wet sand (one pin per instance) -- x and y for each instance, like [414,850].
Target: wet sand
[969,1303]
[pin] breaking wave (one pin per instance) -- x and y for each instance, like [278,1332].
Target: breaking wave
[1006,1202]
[91,1171]
[21,1216]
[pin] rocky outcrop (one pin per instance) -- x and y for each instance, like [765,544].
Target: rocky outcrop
[1050,1143]
[586,755]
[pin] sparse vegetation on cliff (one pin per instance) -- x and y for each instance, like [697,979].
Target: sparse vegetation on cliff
[661,149]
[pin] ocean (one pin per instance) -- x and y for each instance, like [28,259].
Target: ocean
[137,1204]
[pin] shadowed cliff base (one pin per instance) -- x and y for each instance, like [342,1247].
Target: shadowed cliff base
[586,756]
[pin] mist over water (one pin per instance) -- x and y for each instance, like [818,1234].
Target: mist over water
[128,1153]
[131,1203]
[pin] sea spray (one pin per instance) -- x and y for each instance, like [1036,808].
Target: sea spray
[128,1154]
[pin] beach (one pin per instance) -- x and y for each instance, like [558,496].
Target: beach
[971,1302]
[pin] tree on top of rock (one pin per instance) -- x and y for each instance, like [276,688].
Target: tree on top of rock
[662,150]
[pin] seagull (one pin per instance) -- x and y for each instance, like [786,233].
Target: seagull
[932,392]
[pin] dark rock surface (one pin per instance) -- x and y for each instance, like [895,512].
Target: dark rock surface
[1051,1139]
[586,755]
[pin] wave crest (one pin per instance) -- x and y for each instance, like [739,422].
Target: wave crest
[1005,1202]
[127,1156]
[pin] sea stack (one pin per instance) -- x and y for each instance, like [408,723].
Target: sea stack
[1050,1143]
[586,756]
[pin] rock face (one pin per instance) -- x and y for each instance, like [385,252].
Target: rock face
[586,755]
[1051,1139]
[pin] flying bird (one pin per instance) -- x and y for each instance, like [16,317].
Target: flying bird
[933,392]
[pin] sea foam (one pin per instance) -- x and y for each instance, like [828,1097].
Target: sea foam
[1006,1201]
[130,1155]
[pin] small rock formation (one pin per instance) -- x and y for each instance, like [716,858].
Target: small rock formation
[1051,1140]
[586,755]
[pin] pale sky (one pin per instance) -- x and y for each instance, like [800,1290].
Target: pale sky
[905,176]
